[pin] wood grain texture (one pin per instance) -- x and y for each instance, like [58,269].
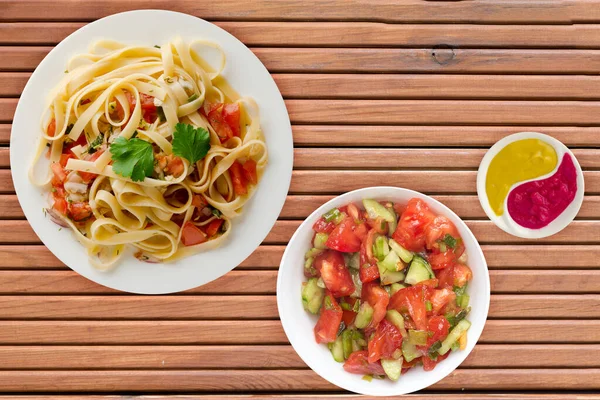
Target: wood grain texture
[256,332]
[264,357]
[232,380]
[521,11]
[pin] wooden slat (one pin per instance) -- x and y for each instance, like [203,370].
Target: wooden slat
[333,135]
[18,58]
[440,112]
[277,380]
[406,86]
[405,158]
[19,231]
[438,182]
[264,357]
[264,282]
[256,332]
[68,282]
[536,11]
[497,257]
[442,396]
[353,34]
[417,136]
[133,307]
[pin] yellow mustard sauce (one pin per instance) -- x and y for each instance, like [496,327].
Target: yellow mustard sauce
[519,161]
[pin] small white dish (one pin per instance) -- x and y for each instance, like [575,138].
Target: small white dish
[505,221]
[244,72]
[298,324]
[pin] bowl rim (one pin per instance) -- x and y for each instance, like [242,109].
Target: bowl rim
[505,221]
[286,322]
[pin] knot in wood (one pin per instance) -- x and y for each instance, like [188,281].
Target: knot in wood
[442,54]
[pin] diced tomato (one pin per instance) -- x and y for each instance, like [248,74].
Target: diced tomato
[51,131]
[87,177]
[238,179]
[322,226]
[64,158]
[353,211]
[60,203]
[412,225]
[412,299]
[378,298]
[343,239]
[430,283]
[348,316]
[213,227]
[368,270]
[249,170]
[361,231]
[446,277]
[399,208]
[440,298]
[59,174]
[81,141]
[192,235]
[438,329]
[442,260]
[462,275]
[379,225]
[231,115]
[429,364]
[385,341]
[222,128]
[335,274]
[437,230]
[199,201]
[329,321]
[80,211]
[358,363]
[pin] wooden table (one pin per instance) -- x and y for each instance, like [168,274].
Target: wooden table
[380,92]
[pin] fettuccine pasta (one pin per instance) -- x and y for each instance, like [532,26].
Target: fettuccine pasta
[148,147]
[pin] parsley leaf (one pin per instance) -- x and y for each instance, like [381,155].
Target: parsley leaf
[132,158]
[190,143]
[450,240]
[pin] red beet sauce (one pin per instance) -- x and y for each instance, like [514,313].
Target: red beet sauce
[535,204]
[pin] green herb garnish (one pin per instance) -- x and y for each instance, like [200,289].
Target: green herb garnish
[132,158]
[190,143]
[450,241]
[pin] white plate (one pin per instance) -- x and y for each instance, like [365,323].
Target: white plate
[298,324]
[244,72]
[505,221]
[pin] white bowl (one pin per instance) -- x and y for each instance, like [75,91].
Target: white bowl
[244,72]
[505,221]
[298,324]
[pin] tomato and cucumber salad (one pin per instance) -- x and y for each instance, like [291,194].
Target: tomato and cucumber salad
[388,282]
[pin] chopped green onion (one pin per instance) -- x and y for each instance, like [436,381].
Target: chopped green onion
[367,378]
[455,346]
[328,302]
[321,284]
[433,350]
[331,215]
[428,305]
[450,241]
[443,247]
[345,306]
[157,46]
[356,306]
